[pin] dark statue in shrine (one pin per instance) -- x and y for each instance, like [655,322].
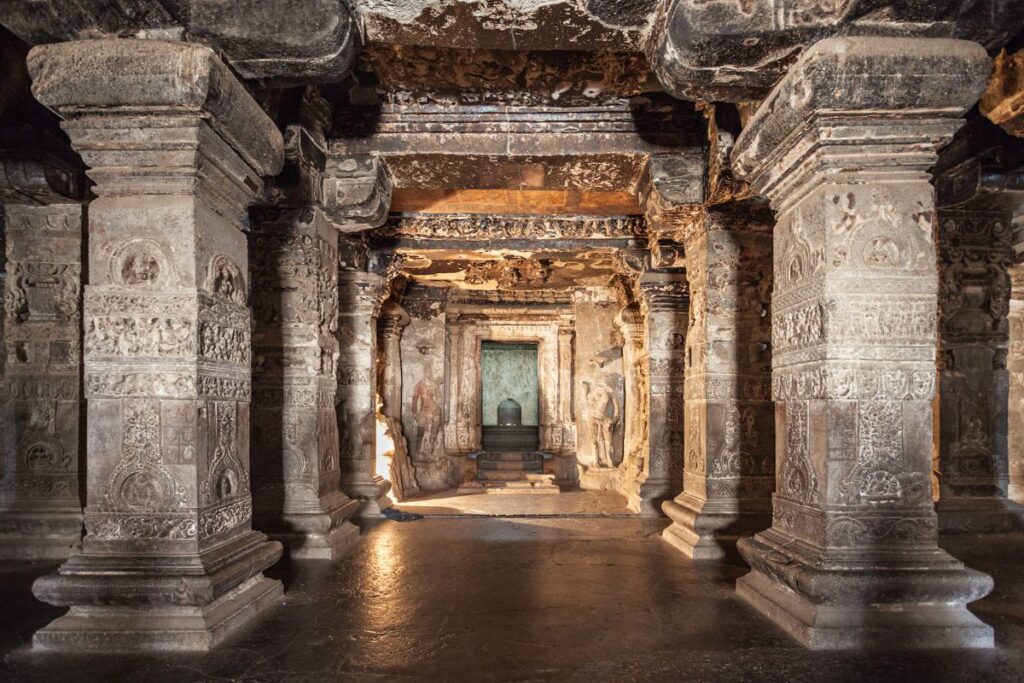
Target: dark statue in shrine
[510,413]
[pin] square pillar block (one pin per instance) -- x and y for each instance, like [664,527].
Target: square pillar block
[729,454]
[842,147]
[41,507]
[177,148]
[296,493]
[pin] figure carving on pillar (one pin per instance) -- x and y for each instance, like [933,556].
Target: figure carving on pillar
[427,411]
[602,418]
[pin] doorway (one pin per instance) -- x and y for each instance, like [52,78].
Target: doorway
[509,394]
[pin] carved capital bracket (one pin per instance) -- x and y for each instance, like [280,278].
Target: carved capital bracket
[672,197]
[357,192]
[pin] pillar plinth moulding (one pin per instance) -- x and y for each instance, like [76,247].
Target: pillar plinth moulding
[665,301]
[728,454]
[40,502]
[177,148]
[842,147]
[296,476]
[360,297]
[390,323]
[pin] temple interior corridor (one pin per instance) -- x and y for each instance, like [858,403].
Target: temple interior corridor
[524,600]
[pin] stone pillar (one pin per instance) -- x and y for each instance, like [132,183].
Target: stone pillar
[390,323]
[296,475]
[842,147]
[728,437]
[666,302]
[360,296]
[176,147]
[635,410]
[1015,370]
[40,501]
[975,253]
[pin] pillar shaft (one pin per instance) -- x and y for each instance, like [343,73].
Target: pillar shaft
[975,253]
[728,461]
[390,324]
[842,147]
[360,296]
[40,501]
[169,560]
[295,431]
[1015,370]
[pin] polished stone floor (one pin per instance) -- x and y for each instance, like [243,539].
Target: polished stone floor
[571,502]
[481,599]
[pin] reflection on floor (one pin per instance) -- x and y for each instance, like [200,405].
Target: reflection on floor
[474,599]
[575,502]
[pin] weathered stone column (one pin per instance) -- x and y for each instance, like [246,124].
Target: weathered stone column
[360,296]
[665,300]
[176,147]
[390,323]
[40,502]
[1015,370]
[975,253]
[296,474]
[635,410]
[728,418]
[842,147]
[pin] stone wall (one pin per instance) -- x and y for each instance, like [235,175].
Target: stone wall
[509,373]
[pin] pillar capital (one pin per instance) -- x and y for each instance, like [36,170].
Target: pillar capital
[153,117]
[855,105]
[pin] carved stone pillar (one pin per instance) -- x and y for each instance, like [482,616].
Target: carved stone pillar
[728,418]
[636,407]
[842,147]
[390,323]
[296,492]
[176,147]
[360,296]
[40,501]
[1015,370]
[392,320]
[666,302]
[975,253]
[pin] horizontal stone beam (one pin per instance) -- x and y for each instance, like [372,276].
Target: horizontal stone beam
[283,41]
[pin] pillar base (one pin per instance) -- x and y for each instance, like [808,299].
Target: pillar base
[372,496]
[702,532]
[30,535]
[857,604]
[325,534]
[178,629]
[987,515]
[649,499]
[152,601]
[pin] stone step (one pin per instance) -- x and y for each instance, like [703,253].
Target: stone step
[502,475]
[509,457]
[512,465]
[508,487]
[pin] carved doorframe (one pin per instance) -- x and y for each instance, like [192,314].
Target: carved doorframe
[463,419]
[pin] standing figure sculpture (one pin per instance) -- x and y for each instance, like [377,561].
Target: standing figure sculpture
[426,410]
[602,416]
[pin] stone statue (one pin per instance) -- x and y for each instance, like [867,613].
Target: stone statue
[602,416]
[426,410]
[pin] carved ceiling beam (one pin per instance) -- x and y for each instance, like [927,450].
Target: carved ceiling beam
[447,231]
[264,40]
[736,50]
[1003,100]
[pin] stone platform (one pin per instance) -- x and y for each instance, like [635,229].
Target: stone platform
[510,473]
